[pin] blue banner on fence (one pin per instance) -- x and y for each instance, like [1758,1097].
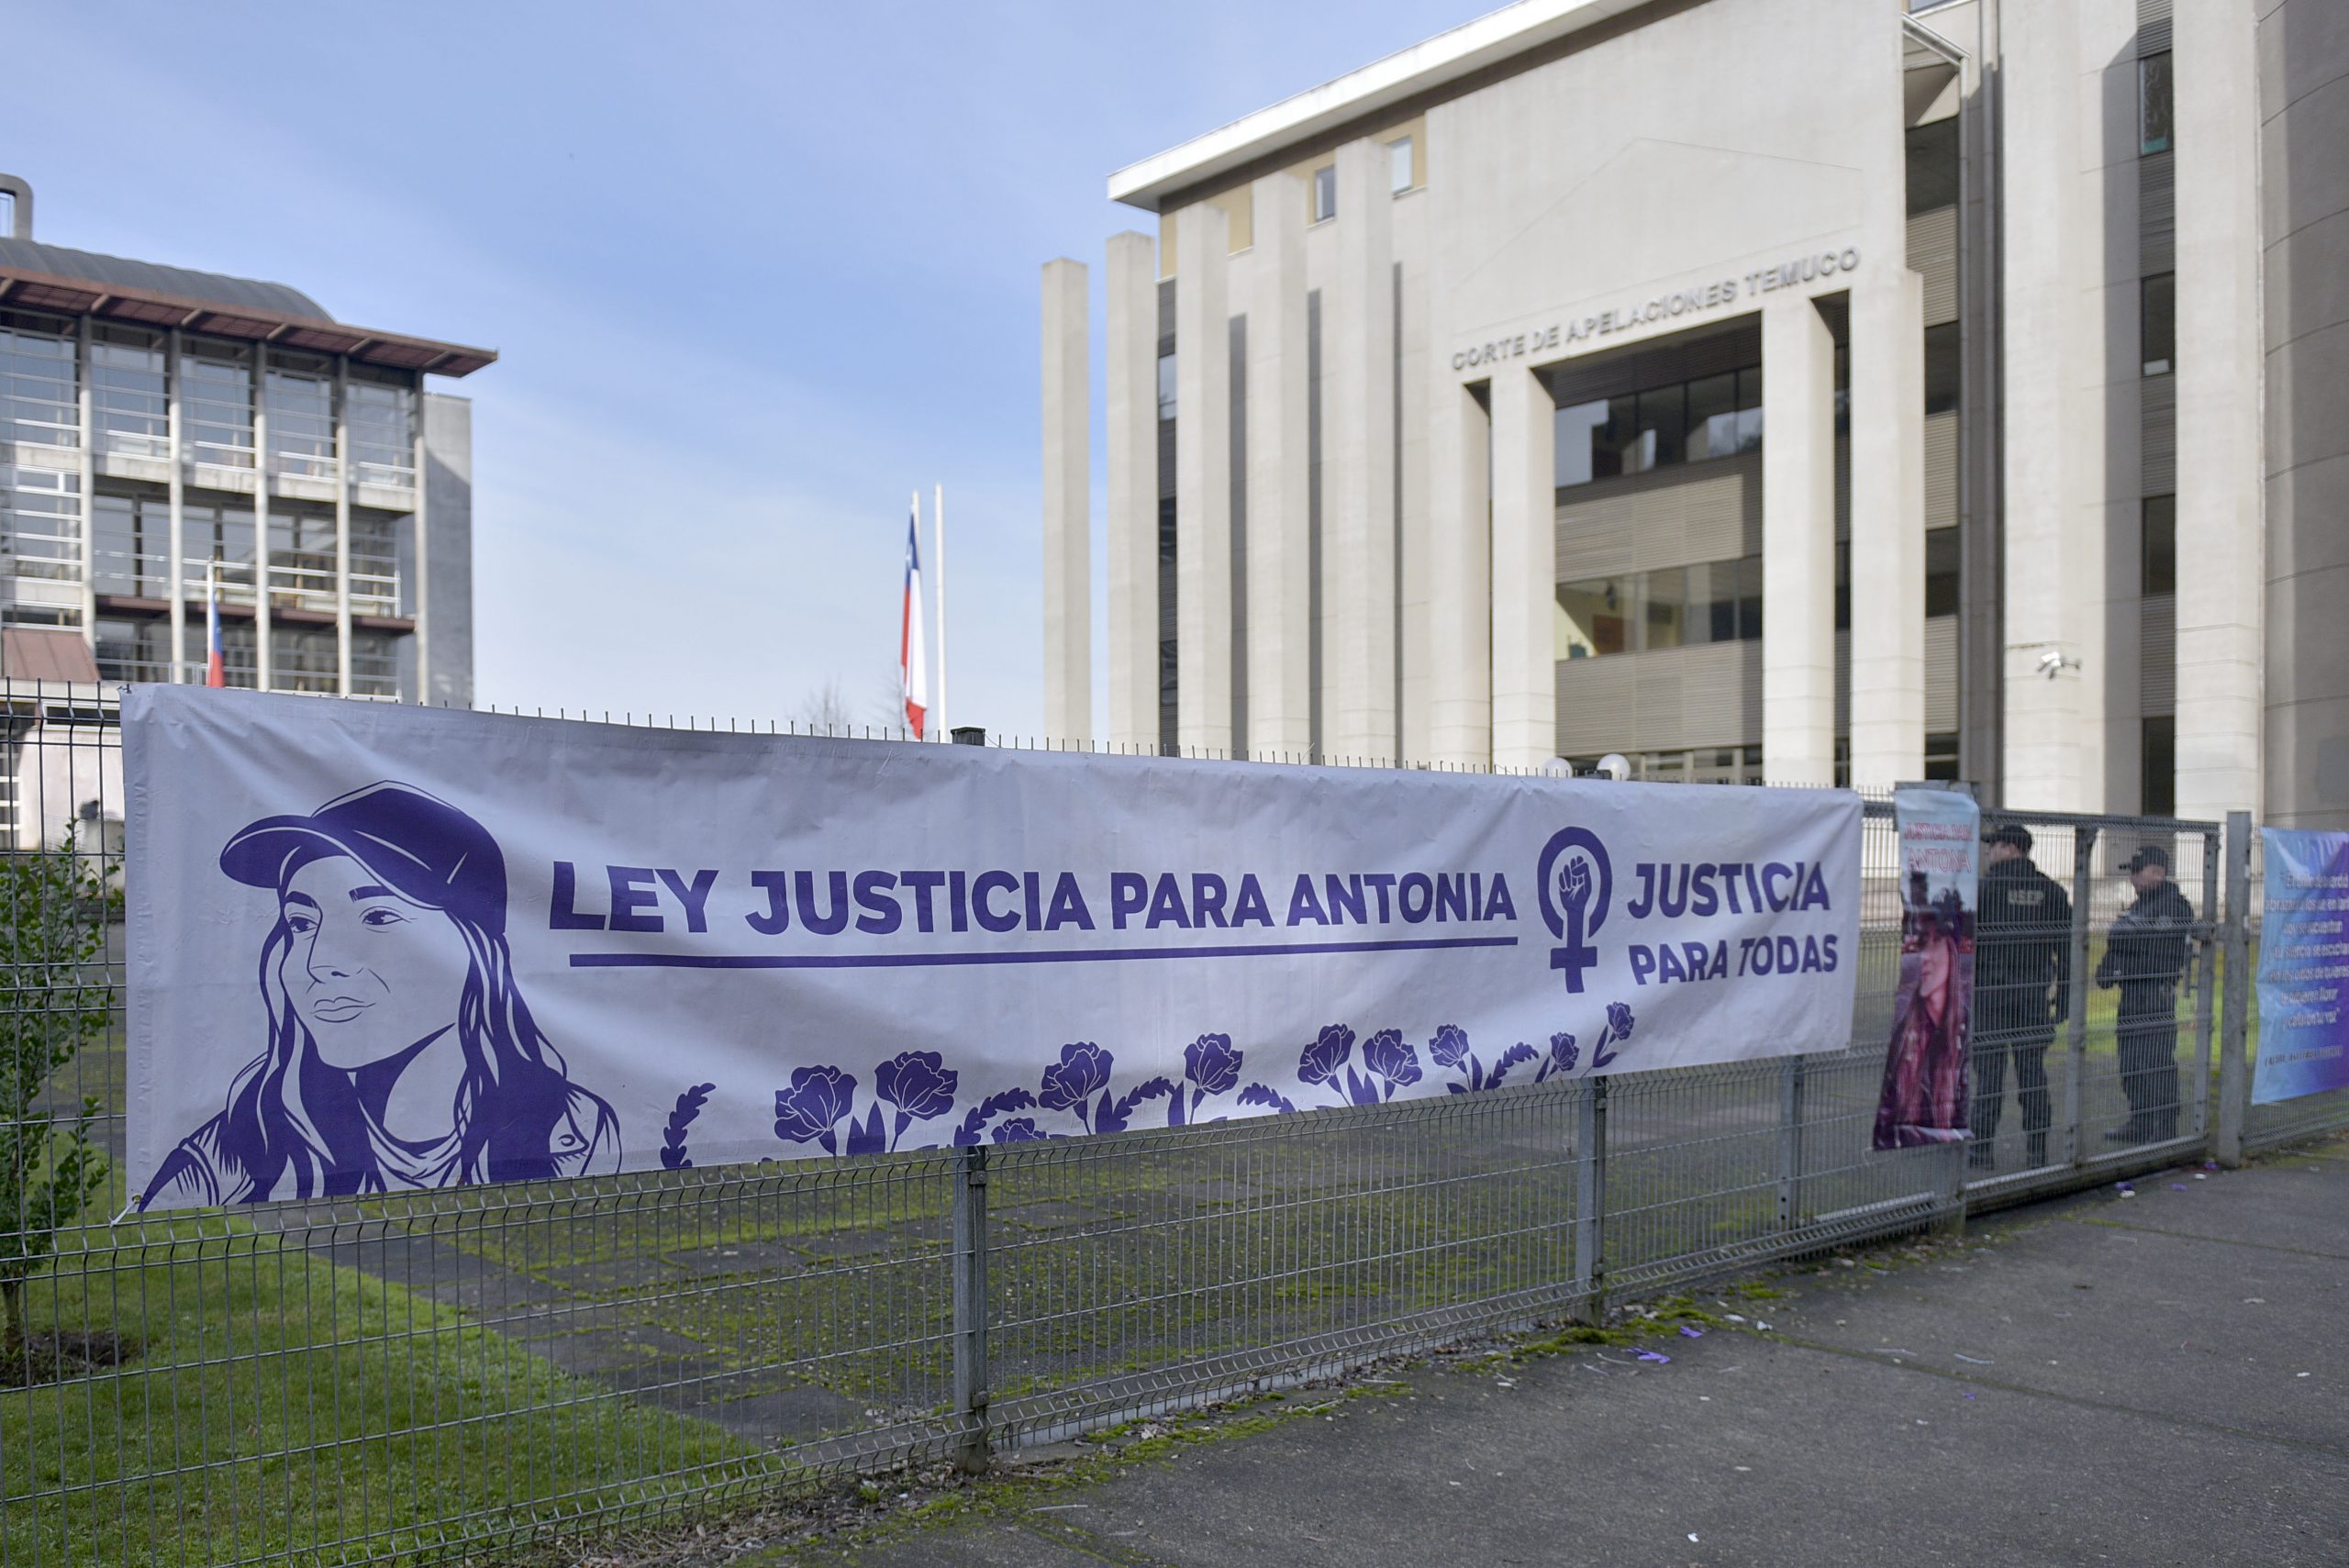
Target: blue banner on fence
[2303,967]
[376,947]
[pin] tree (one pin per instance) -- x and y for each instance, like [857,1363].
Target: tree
[824,708]
[54,906]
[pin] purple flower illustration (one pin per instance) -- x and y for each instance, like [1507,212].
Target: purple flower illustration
[1564,1054]
[1450,1044]
[1319,1062]
[919,1083]
[812,1107]
[1387,1055]
[1211,1063]
[1082,1068]
[1212,1067]
[1018,1129]
[1617,1029]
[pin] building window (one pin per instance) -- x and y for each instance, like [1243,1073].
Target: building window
[218,403]
[1594,617]
[382,427]
[374,664]
[1941,572]
[39,392]
[2158,570]
[1940,755]
[1942,372]
[131,545]
[2152,103]
[1657,427]
[301,416]
[1166,386]
[1399,164]
[2157,326]
[1671,607]
[2158,767]
[127,401]
[1932,166]
[1325,192]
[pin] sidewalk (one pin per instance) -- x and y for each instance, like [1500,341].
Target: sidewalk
[2147,1380]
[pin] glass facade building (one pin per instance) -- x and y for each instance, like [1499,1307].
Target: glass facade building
[168,438]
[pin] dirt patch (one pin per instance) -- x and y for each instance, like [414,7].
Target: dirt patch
[56,1358]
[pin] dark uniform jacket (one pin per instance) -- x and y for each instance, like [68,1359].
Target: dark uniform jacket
[2147,951]
[2023,944]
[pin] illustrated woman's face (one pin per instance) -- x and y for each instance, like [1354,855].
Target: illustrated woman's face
[370,971]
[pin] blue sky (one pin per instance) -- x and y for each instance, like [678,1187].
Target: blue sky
[755,271]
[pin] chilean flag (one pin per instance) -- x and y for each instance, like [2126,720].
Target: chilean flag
[913,663]
[216,666]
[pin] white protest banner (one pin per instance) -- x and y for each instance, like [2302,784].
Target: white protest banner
[376,947]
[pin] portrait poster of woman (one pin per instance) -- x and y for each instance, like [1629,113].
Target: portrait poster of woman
[399,1051]
[1927,1095]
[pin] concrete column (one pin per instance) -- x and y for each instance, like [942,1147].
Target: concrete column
[1887,357]
[2048,751]
[1460,573]
[1130,389]
[1280,543]
[263,665]
[342,524]
[174,416]
[1068,497]
[1797,544]
[1524,587]
[2222,554]
[1358,457]
[1203,480]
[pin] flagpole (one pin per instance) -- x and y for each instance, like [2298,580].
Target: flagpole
[906,675]
[937,524]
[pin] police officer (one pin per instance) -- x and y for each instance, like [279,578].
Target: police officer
[2144,955]
[2022,989]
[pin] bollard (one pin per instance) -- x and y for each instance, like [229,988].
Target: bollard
[2234,1069]
[2075,1032]
[971,1310]
[1591,1200]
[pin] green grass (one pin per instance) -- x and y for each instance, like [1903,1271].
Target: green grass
[279,1404]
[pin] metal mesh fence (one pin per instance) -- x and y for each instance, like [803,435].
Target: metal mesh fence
[415,1377]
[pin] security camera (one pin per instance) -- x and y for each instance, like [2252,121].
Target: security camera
[2053,663]
[1615,766]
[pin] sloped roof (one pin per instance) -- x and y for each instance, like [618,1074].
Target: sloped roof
[32,653]
[182,283]
[51,277]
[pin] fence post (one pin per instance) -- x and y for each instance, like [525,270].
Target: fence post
[971,1310]
[1790,1086]
[2234,1072]
[2206,983]
[2075,1032]
[1591,1200]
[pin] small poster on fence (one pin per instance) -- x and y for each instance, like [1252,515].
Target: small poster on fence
[2303,967]
[376,948]
[1926,1089]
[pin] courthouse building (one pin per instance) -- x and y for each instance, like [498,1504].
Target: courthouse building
[1810,390]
